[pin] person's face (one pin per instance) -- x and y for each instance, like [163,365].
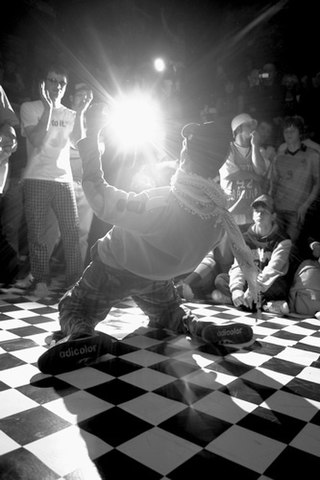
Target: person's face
[265,131]
[262,217]
[291,134]
[56,85]
[247,129]
[78,98]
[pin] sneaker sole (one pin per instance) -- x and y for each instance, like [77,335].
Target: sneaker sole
[235,335]
[75,354]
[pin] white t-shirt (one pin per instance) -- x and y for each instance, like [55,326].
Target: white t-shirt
[52,160]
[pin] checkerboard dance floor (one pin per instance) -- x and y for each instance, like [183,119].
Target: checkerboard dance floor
[166,407]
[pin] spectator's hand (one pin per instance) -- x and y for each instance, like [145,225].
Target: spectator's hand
[96,118]
[45,97]
[255,138]
[238,298]
[85,102]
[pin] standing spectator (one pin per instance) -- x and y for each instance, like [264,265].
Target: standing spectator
[85,213]
[228,102]
[290,96]
[12,216]
[242,175]
[49,127]
[8,145]
[271,94]
[253,93]
[8,137]
[295,178]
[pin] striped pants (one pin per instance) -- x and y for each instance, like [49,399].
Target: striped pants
[39,196]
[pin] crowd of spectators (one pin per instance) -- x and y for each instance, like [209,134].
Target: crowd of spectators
[274,132]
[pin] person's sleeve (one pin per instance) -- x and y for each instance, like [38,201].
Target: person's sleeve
[237,279]
[7,114]
[207,264]
[110,204]
[278,265]
[28,117]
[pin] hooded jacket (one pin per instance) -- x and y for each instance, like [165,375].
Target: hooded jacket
[271,255]
[153,235]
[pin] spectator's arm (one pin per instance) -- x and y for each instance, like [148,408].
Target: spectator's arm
[277,267]
[259,165]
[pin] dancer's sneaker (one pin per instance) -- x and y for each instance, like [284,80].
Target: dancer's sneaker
[236,335]
[73,352]
[279,307]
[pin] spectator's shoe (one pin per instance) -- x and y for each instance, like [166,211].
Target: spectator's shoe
[236,335]
[279,307]
[73,352]
[317,315]
[220,298]
[24,283]
[39,289]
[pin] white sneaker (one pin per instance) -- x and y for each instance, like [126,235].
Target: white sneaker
[279,307]
[317,315]
[25,282]
[41,290]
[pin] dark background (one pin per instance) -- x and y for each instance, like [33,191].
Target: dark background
[114,38]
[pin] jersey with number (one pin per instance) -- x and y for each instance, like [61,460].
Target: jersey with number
[237,175]
[293,177]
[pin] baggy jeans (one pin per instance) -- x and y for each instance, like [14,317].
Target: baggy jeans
[101,287]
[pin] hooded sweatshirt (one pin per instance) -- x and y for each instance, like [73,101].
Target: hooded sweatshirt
[271,255]
[153,235]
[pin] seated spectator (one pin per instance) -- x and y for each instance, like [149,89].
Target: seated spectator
[304,295]
[270,248]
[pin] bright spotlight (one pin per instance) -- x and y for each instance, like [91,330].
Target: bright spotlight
[136,120]
[159,65]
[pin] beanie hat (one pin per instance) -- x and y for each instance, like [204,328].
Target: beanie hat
[206,143]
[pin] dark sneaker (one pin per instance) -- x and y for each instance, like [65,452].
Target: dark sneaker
[71,353]
[236,335]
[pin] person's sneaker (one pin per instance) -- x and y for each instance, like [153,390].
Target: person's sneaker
[71,353]
[24,283]
[317,315]
[40,289]
[220,298]
[236,335]
[185,291]
[279,307]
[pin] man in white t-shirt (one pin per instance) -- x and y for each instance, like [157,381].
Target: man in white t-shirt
[50,128]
